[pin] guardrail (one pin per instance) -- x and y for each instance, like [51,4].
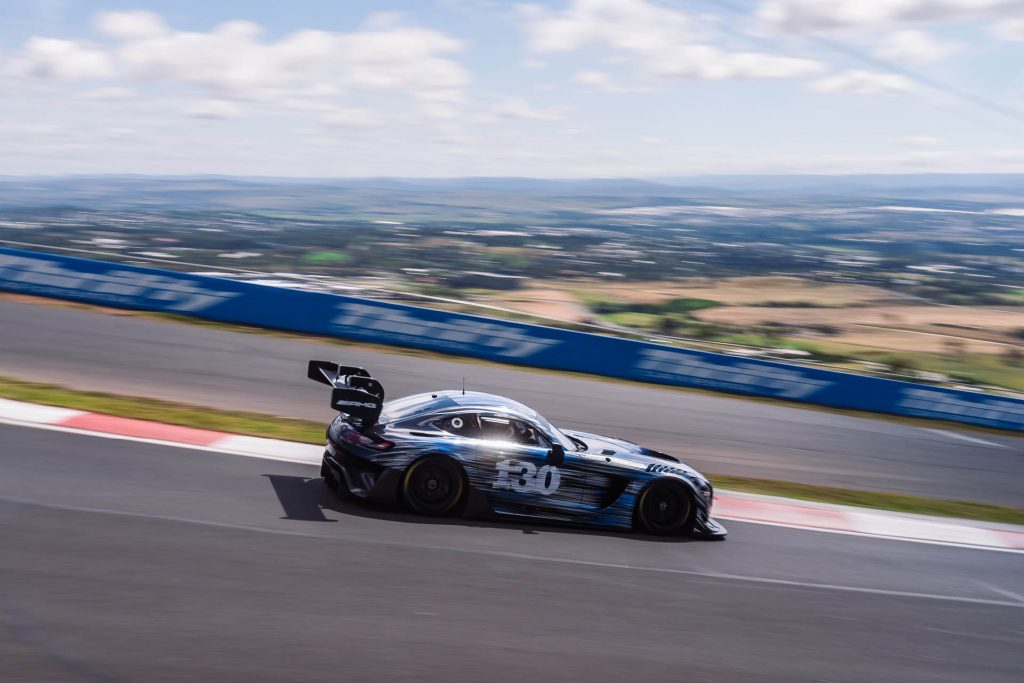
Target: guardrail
[345,317]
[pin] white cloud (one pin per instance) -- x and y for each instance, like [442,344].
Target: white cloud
[212,109]
[707,62]
[920,140]
[629,25]
[62,59]
[663,42]
[1008,155]
[390,97]
[46,139]
[111,93]
[516,108]
[1009,29]
[578,129]
[233,61]
[599,80]
[602,81]
[914,46]
[817,15]
[340,117]
[134,25]
[862,82]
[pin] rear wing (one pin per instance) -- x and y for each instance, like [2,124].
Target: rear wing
[354,393]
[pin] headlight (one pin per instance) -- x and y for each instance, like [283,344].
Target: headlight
[702,486]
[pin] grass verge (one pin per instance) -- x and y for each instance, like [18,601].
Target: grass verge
[306,431]
[235,422]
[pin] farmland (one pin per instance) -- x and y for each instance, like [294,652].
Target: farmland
[917,275]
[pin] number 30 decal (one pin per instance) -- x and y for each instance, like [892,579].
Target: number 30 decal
[524,477]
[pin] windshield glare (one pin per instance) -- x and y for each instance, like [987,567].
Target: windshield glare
[553,431]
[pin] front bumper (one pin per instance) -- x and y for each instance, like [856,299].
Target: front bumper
[705,526]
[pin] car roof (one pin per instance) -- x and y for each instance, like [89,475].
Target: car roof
[417,404]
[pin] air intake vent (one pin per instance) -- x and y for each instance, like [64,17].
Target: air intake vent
[661,456]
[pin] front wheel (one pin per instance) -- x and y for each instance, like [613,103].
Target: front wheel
[664,508]
[433,485]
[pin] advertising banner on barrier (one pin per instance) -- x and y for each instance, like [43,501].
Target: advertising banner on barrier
[382,322]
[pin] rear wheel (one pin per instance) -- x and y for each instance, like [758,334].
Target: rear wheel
[433,485]
[664,508]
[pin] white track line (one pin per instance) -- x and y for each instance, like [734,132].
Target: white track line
[968,439]
[1002,591]
[742,578]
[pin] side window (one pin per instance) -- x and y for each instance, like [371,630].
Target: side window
[463,424]
[492,428]
[501,428]
[496,428]
[527,434]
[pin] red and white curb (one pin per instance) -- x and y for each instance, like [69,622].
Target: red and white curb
[729,505]
[111,426]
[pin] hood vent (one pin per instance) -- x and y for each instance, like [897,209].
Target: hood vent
[661,456]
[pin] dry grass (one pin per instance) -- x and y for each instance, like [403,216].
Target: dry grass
[739,291]
[545,302]
[929,329]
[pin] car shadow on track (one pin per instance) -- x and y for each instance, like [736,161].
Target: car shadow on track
[306,500]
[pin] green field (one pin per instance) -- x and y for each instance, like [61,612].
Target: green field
[327,258]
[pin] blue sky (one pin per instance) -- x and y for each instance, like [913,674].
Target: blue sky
[566,88]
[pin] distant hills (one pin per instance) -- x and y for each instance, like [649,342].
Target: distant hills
[245,193]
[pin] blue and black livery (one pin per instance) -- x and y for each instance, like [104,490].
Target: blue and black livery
[451,452]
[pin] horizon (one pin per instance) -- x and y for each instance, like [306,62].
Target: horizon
[654,179]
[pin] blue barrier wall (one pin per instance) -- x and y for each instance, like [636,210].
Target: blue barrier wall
[111,284]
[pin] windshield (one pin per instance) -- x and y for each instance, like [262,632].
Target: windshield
[553,431]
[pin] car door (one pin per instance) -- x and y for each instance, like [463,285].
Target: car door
[605,480]
[523,479]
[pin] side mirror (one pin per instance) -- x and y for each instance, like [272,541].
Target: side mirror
[556,456]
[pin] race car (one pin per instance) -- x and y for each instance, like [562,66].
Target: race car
[466,452]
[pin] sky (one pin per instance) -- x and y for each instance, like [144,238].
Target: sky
[563,88]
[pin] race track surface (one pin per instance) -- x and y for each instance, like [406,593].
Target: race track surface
[209,366]
[125,561]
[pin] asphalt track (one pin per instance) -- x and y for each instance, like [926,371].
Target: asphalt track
[125,561]
[219,368]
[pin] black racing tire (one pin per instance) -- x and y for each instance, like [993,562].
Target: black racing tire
[665,508]
[434,485]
